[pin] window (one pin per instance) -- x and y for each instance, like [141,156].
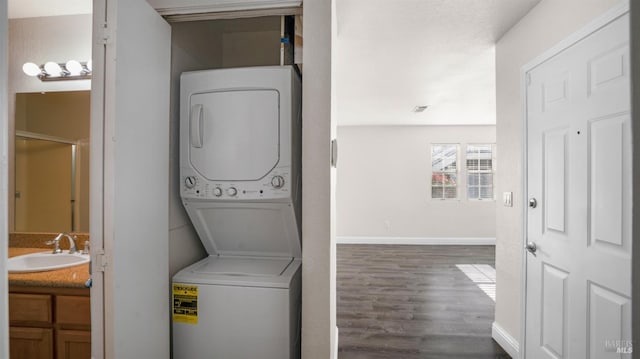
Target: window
[444,171]
[480,171]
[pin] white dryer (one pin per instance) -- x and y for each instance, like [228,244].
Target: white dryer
[241,187]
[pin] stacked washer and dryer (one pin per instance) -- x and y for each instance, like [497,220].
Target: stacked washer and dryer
[240,167]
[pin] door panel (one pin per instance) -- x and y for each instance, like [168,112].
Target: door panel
[607,157]
[608,69]
[555,91]
[549,223]
[579,171]
[555,158]
[554,307]
[73,344]
[30,343]
[609,317]
[129,181]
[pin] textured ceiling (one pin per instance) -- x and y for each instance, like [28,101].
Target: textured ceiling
[390,56]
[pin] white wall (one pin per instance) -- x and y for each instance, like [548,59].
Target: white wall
[4,187]
[42,39]
[544,26]
[38,40]
[384,178]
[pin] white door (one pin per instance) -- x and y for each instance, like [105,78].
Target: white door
[129,181]
[578,294]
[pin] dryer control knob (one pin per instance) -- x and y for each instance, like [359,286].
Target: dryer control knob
[277,181]
[217,191]
[232,191]
[190,182]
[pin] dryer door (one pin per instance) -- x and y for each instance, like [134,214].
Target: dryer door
[234,135]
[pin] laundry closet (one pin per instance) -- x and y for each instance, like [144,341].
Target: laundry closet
[138,144]
[240,183]
[239,122]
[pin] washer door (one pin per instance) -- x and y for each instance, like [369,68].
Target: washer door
[234,135]
[246,229]
[245,266]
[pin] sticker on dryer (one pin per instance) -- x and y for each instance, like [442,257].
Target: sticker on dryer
[185,303]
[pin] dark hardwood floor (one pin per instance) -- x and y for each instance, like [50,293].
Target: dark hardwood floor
[410,302]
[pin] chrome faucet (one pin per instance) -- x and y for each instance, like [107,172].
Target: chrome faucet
[85,249]
[56,243]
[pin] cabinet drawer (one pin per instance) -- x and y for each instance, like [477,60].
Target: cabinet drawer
[73,310]
[30,308]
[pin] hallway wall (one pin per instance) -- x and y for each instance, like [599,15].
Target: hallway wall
[384,185]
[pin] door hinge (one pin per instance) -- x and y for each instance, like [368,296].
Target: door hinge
[99,261]
[528,79]
[334,153]
[106,34]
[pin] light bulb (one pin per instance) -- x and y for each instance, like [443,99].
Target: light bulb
[31,69]
[90,65]
[74,67]
[53,69]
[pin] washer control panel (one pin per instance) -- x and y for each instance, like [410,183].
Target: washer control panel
[275,185]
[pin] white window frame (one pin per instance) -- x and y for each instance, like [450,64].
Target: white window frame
[456,172]
[469,172]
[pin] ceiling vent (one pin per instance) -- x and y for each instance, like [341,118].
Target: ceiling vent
[419,109]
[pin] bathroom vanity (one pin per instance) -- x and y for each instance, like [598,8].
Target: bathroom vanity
[49,312]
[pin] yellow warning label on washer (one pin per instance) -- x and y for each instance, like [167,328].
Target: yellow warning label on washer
[185,303]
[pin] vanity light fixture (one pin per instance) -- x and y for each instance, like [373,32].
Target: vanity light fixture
[52,71]
[420,108]
[31,69]
[74,67]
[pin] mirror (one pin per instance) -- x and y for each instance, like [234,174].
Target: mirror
[51,162]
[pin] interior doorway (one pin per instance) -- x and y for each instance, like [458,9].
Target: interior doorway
[47,145]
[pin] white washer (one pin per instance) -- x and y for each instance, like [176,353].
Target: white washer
[240,172]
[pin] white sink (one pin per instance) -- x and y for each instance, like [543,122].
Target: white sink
[44,261]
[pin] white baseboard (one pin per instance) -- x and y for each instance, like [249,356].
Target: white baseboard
[506,341]
[417,241]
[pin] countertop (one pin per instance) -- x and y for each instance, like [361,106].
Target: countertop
[71,277]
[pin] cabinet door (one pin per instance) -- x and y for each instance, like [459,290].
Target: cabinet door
[30,343]
[73,310]
[73,344]
[129,171]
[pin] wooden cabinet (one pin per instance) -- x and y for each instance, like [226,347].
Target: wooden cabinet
[32,343]
[52,323]
[30,308]
[73,311]
[31,331]
[72,344]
